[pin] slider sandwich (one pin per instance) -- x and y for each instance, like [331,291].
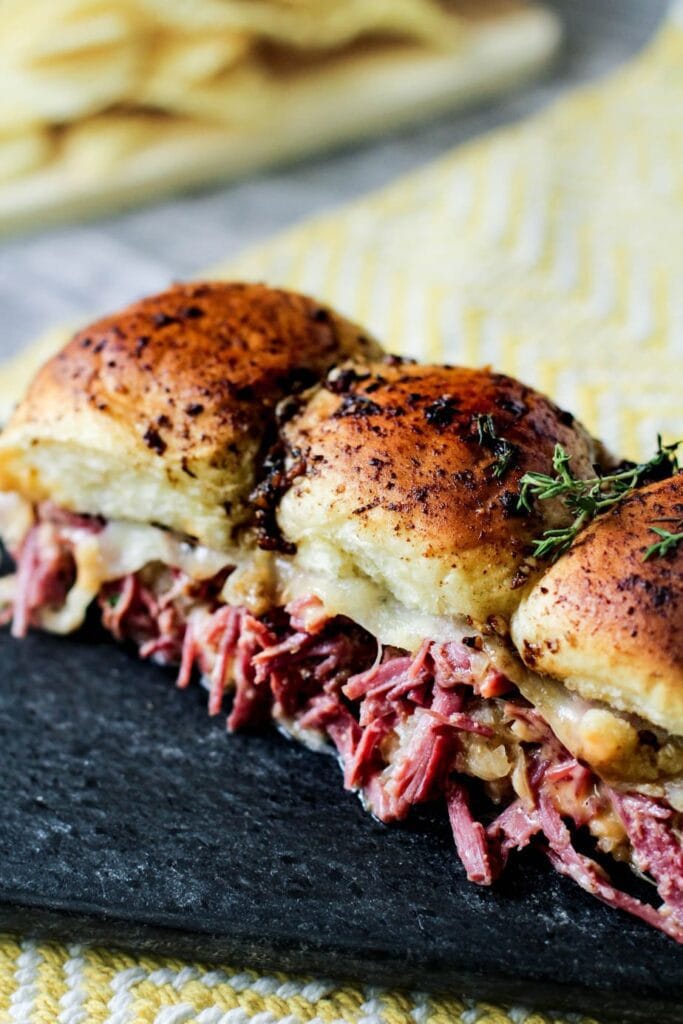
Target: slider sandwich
[354,547]
[134,452]
[602,635]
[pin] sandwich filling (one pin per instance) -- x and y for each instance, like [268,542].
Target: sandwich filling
[454,717]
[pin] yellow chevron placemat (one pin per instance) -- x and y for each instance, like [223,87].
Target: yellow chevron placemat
[53,984]
[552,249]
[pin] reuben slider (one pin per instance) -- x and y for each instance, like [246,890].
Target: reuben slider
[359,549]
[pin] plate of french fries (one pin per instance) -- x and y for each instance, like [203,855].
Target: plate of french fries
[104,105]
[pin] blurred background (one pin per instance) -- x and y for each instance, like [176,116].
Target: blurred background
[142,141]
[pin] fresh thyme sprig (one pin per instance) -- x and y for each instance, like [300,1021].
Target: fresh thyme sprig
[586,498]
[504,451]
[669,541]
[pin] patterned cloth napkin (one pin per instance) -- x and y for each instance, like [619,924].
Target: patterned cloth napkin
[553,250]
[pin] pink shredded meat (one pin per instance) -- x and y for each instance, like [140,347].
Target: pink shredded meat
[513,829]
[471,841]
[309,679]
[657,848]
[45,571]
[400,723]
[45,563]
[591,877]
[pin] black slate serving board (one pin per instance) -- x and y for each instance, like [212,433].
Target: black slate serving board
[129,817]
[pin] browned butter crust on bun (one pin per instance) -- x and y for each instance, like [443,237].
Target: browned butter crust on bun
[606,621]
[410,476]
[159,412]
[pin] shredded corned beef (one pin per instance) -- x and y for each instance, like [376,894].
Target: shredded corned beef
[440,724]
[45,571]
[656,846]
[591,877]
[45,563]
[131,610]
[512,830]
[471,841]
[306,681]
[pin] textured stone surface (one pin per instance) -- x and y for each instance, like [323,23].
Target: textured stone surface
[130,817]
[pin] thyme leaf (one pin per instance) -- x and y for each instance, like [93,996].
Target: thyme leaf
[588,498]
[668,542]
[504,451]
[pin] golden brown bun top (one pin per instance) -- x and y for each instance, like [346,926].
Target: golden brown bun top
[182,387]
[197,366]
[399,472]
[609,624]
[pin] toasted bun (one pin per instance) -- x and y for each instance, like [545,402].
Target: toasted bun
[396,487]
[159,413]
[609,624]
